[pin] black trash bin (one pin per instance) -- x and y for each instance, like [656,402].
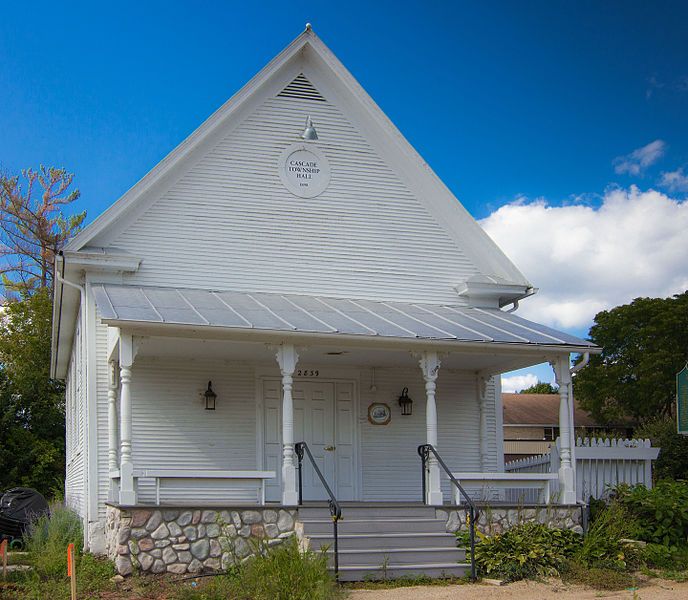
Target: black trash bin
[18,507]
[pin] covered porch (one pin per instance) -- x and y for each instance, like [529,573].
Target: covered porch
[326,372]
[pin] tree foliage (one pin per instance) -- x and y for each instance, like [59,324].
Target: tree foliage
[31,403]
[541,387]
[33,228]
[644,344]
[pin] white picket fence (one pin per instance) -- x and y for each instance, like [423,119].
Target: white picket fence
[600,464]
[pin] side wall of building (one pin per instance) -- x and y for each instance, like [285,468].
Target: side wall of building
[75,427]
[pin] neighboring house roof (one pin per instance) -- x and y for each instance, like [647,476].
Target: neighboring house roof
[540,409]
[320,315]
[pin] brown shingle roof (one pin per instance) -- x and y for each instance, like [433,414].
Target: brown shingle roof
[540,409]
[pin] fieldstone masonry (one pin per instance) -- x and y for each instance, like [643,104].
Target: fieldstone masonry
[183,540]
[497,519]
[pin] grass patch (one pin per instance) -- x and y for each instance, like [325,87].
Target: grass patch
[281,572]
[401,582]
[46,542]
[598,578]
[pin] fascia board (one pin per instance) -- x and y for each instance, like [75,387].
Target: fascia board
[96,261]
[349,340]
[158,178]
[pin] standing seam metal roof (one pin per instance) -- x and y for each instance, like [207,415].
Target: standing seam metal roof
[316,314]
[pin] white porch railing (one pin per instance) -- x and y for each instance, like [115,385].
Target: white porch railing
[483,486]
[179,486]
[600,464]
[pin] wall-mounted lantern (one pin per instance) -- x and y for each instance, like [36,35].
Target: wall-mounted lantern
[210,397]
[406,403]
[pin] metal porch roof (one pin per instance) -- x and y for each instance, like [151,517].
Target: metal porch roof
[321,315]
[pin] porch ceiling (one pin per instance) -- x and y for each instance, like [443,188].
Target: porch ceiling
[323,356]
[334,318]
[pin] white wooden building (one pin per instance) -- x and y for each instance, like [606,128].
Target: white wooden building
[299,254]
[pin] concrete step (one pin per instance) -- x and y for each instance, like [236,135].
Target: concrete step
[384,541]
[374,572]
[398,557]
[346,525]
[374,511]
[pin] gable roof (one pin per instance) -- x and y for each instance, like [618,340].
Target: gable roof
[485,254]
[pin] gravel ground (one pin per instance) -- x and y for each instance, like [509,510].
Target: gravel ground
[655,589]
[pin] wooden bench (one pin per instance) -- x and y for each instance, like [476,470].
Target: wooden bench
[251,480]
[502,481]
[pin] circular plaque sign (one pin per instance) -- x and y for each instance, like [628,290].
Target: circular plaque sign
[304,170]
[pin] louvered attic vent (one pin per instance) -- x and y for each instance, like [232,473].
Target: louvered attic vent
[301,88]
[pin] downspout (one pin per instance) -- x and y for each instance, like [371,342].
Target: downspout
[84,388]
[572,403]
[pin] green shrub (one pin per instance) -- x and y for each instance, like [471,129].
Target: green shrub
[47,538]
[602,546]
[660,514]
[282,572]
[525,551]
[665,557]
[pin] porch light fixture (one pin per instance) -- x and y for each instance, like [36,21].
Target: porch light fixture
[406,403]
[210,397]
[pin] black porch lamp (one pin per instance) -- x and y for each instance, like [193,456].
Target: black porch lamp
[406,403]
[210,397]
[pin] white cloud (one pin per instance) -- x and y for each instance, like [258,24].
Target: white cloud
[674,181]
[587,259]
[637,161]
[516,383]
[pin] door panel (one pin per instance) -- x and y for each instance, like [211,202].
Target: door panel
[323,418]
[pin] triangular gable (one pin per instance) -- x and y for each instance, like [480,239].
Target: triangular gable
[326,79]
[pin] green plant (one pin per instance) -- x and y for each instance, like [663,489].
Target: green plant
[525,551]
[660,514]
[47,538]
[283,572]
[602,546]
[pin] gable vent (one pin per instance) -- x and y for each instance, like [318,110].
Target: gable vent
[301,88]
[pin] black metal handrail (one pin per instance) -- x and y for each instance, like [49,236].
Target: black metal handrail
[424,451]
[335,507]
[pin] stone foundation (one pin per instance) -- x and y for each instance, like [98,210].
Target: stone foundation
[497,519]
[184,540]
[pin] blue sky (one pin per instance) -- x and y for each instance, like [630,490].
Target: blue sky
[511,103]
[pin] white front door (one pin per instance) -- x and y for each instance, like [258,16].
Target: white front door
[324,419]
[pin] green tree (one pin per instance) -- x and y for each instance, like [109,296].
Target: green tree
[644,344]
[541,387]
[31,403]
[33,228]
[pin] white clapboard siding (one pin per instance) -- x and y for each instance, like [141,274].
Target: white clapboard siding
[391,468]
[75,397]
[229,223]
[171,428]
[102,414]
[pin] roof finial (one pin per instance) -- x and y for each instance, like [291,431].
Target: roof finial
[309,28]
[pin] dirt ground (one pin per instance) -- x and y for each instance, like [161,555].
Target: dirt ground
[655,589]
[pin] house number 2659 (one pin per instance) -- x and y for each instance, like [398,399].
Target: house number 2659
[307,373]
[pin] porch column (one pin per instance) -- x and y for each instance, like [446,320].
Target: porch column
[430,365]
[112,427]
[567,482]
[127,494]
[287,359]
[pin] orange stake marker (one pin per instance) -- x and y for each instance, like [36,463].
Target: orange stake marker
[3,553]
[71,570]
